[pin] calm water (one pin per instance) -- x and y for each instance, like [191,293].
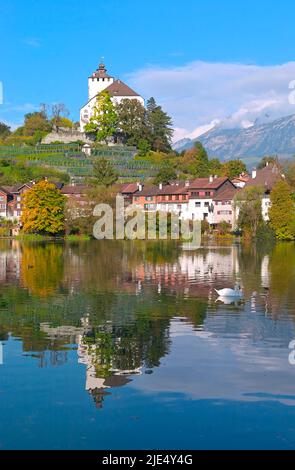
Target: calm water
[124,346]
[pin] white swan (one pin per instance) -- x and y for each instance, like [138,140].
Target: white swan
[233,293]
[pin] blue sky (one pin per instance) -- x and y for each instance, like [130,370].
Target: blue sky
[48,49]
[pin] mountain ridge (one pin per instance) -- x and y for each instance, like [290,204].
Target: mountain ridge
[274,138]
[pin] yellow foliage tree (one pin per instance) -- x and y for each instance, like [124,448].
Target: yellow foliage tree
[43,209]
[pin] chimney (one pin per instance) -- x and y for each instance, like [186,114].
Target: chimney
[140,187]
[187,184]
[254,173]
[160,186]
[211,179]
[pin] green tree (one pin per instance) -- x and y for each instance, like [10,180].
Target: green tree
[104,172]
[159,126]
[249,203]
[104,121]
[215,167]
[166,174]
[43,209]
[143,147]
[4,130]
[233,168]
[131,121]
[282,211]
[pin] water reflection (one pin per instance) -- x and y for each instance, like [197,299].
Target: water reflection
[125,308]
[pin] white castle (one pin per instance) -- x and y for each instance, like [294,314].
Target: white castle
[101,81]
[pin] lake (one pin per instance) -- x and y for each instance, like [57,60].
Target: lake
[125,345]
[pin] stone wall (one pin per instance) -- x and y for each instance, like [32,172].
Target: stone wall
[66,137]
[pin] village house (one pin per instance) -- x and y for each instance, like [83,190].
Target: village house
[173,199]
[208,199]
[146,197]
[202,192]
[241,181]
[127,190]
[266,178]
[224,207]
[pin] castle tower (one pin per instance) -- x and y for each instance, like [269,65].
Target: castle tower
[99,81]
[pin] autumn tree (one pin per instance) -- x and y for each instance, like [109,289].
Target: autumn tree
[282,211]
[104,172]
[43,209]
[233,168]
[195,162]
[35,122]
[104,121]
[249,204]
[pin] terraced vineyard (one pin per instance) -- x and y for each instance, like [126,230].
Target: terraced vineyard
[71,159]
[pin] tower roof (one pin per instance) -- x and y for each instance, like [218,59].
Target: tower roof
[119,88]
[101,72]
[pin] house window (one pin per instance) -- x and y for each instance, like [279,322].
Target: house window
[207,204]
[197,204]
[2,198]
[224,212]
[148,198]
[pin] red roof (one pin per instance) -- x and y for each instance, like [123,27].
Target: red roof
[71,190]
[267,177]
[205,183]
[147,191]
[128,188]
[172,190]
[227,194]
[119,88]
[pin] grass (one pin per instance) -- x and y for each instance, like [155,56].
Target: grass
[77,238]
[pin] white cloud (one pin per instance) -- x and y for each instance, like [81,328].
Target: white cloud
[32,42]
[199,93]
